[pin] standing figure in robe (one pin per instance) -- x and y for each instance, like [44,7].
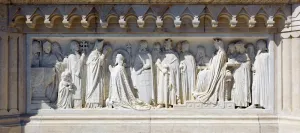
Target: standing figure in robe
[120,91]
[260,86]
[156,57]
[65,91]
[36,53]
[188,72]
[241,93]
[143,72]
[213,84]
[168,77]
[95,76]
[74,63]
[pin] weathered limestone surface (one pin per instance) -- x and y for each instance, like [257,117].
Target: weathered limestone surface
[21,24]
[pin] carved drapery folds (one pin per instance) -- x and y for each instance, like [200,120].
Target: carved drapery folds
[103,14]
[86,74]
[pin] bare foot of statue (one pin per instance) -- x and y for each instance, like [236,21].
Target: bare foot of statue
[160,106]
[252,107]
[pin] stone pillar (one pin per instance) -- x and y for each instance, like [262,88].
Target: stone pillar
[295,74]
[286,74]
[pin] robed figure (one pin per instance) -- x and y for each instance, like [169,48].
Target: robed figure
[95,77]
[120,91]
[74,63]
[168,77]
[143,74]
[188,72]
[213,84]
[260,86]
[241,93]
[65,91]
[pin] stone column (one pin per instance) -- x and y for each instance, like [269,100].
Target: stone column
[295,74]
[286,73]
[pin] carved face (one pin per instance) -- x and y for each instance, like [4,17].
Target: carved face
[261,45]
[75,46]
[143,46]
[156,47]
[99,45]
[185,47]
[66,76]
[201,51]
[250,49]
[240,47]
[218,43]
[231,49]
[47,47]
[168,44]
[36,47]
[119,59]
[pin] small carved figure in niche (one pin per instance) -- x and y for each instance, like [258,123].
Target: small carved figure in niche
[201,57]
[211,89]
[241,93]
[120,92]
[36,53]
[168,77]
[49,59]
[188,72]
[143,73]
[74,63]
[95,76]
[231,53]
[57,51]
[156,57]
[260,86]
[65,91]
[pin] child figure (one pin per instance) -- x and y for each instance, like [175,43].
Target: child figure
[65,90]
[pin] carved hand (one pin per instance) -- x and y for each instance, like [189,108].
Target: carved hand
[164,70]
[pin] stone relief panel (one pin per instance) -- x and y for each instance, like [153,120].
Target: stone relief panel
[143,74]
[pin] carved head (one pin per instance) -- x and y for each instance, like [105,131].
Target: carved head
[201,51]
[168,44]
[74,46]
[143,45]
[261,45]
[156,47]
[66,76]
[231,49]
[185,46]
[240,47]
[56,47]
[36,47]
[218,43]
[99,44]
[47,47]
[250,48]
[119,59]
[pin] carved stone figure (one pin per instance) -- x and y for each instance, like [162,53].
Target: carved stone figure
[49,59]
[57,51]
[241,93]
[143,73]
[188,72]
[95,77]
[120,91]
[213,83]
[231,53]
[64,99]
[168,77]
[36,53]
[251,52]
[260,86]
[201,57]
[156,57]
[74,63]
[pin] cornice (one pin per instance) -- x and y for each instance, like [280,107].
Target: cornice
[148,1]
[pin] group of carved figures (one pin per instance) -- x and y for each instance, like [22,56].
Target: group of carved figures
[164,77]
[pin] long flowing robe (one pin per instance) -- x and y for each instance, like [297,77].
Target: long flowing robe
[260,87]
[187,76]
[64,99]
[144,80]
[168,84]
[242,80]
[74,65]
[120,92]
[95,80]
[213,83]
